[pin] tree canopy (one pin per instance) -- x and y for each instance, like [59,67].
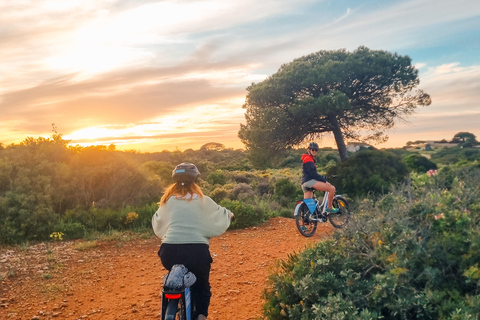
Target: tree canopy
[356,95]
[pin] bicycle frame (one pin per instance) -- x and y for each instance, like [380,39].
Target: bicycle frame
[313,204]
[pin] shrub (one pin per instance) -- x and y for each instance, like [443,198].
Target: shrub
[245,215]
[369,171]
[242,191]
[263,187]
[286,191]
[218,194]
[413,254]
[71,230]
[418,163]
[217,177]
[240,178]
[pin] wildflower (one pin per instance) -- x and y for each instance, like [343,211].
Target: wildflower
[131,217]
[57,236]
[431,172]
[439,216]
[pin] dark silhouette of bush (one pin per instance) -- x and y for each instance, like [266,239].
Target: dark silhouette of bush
[419,163]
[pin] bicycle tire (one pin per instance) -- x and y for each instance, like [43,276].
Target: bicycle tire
[341,218]
[305,225]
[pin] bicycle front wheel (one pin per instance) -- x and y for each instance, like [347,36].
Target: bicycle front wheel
[305,225]
[339,219]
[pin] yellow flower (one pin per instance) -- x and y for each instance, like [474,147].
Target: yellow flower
[57,236]
[131,217]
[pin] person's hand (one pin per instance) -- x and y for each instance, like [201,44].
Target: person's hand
[232,217]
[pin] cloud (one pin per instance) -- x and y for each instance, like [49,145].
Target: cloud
[124,64]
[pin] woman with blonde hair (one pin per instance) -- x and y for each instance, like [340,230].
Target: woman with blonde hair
[186,220]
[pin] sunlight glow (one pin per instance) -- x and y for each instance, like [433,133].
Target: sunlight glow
[201,121]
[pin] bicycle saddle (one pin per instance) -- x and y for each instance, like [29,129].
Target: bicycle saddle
[179,277]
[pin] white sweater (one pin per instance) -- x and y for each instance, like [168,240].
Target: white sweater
[195,221]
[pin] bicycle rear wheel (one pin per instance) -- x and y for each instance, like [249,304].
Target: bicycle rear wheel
[339,219]
[175,310]
[305,225]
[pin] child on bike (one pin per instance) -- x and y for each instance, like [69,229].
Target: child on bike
[311,179]
[186,220]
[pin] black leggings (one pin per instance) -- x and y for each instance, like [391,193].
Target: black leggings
[196,257]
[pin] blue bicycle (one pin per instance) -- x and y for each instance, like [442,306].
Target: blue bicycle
[309,212]
[176,296]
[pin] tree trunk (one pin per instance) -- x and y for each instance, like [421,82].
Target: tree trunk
[337,133]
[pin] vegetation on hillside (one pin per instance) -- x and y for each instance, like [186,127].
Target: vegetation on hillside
[48,186]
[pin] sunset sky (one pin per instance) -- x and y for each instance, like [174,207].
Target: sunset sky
[156,75]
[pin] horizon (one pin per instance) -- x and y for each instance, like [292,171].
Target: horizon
[166,75]
[333,147]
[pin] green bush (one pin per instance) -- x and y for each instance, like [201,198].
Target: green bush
[217,177]
[245,215]
[419,163]
[286,191]
[218,194]
[71,230]
[368,172]
[413,254]
[97,219]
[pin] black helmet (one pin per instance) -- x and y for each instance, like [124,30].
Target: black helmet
[185,172]
[313,146]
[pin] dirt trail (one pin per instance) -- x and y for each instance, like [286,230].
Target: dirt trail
[113,281]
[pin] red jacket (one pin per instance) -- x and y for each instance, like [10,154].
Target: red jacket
[309,169]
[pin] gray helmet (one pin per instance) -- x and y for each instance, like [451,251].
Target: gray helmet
[313,146]
[185,172]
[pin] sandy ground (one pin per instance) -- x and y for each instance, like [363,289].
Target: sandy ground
[123,280]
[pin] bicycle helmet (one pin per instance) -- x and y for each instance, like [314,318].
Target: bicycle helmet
[185,172]
[313,146]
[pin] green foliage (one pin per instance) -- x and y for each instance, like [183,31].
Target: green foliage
[329,91]
[413,254]
[42,179]
[245,215]
[457,156]
[218,194]
[286,191]
[71,230]
[368,172]
[418,163]
[217,177]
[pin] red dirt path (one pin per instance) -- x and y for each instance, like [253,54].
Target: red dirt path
[112,281]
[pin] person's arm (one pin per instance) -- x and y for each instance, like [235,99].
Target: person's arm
[159,222]
[218,218]
[312,172]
